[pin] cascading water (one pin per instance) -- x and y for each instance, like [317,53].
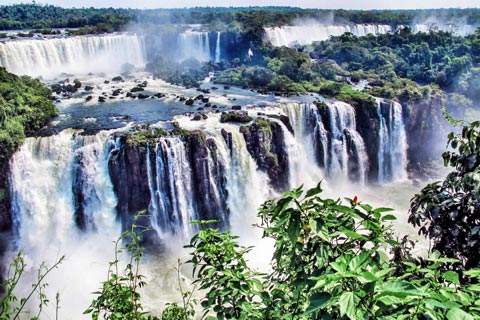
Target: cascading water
[330,131]
[308,33]
[170,191]
[392,155]
[194,44]
[53,181]
[218,47]
[207,174]
[78,55]
[243,180]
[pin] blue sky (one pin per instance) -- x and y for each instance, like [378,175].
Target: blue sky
[326,4]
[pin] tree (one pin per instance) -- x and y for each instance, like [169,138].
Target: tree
[448,211]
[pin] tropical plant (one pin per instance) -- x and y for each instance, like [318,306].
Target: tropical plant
[330,261]
[119,297]
[220,267]
[448,211]
[11,307]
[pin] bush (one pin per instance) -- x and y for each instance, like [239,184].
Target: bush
[330,262]
[448,211]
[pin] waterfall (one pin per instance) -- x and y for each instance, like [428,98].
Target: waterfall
[77,55]
[330,136]
[392,151]
[172,201]
[302,167]
[218,47]
[53,181]
[194,44]
[306,34]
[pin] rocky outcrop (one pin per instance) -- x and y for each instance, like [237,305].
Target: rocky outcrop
[265,143]
[5,215]
[238,117]
[145,178]
[368,126]
[128,172]
[208,173]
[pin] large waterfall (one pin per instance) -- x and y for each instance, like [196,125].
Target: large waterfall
[201,45]
[77,55]
[308,33]
[329,133]
[72,191]
[63,203]
[195,44]
[305,34]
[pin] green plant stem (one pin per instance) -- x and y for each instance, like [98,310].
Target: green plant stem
[36,285]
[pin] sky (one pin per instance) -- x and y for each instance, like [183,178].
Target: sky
[322,4]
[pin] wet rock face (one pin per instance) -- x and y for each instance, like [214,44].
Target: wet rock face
[368,125]
[265,143]
[129,175]
[129,172]
[6,222]
[208,172]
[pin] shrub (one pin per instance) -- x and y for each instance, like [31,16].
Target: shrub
[448,211]
[330,261]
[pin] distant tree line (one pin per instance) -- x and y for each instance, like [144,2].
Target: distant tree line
[30,16]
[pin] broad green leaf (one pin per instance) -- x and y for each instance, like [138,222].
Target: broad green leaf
[353,235]
[458,314]
[472,272]
[452,277]
[399,289]
[313,191]
[358,261]
[317,301]
[339,267]
[435,303]
[348,302]
[389,217]
[366,277]
[389,300]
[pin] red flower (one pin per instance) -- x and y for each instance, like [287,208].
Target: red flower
[355,199]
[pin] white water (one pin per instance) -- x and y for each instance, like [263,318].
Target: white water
[42,181]
[392,155]
[460,29]
[194,44]
[218,47]
[78,55]
[172,203]
[305,34]
[46,166]
[308,33]
[329,145]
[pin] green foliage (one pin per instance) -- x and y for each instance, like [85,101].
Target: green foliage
[24,108]
[221,269]
[24,16]
[235,117]
[330,261]
[448,211]
[11,307]
[142,134]
[119,297]
[174,312]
